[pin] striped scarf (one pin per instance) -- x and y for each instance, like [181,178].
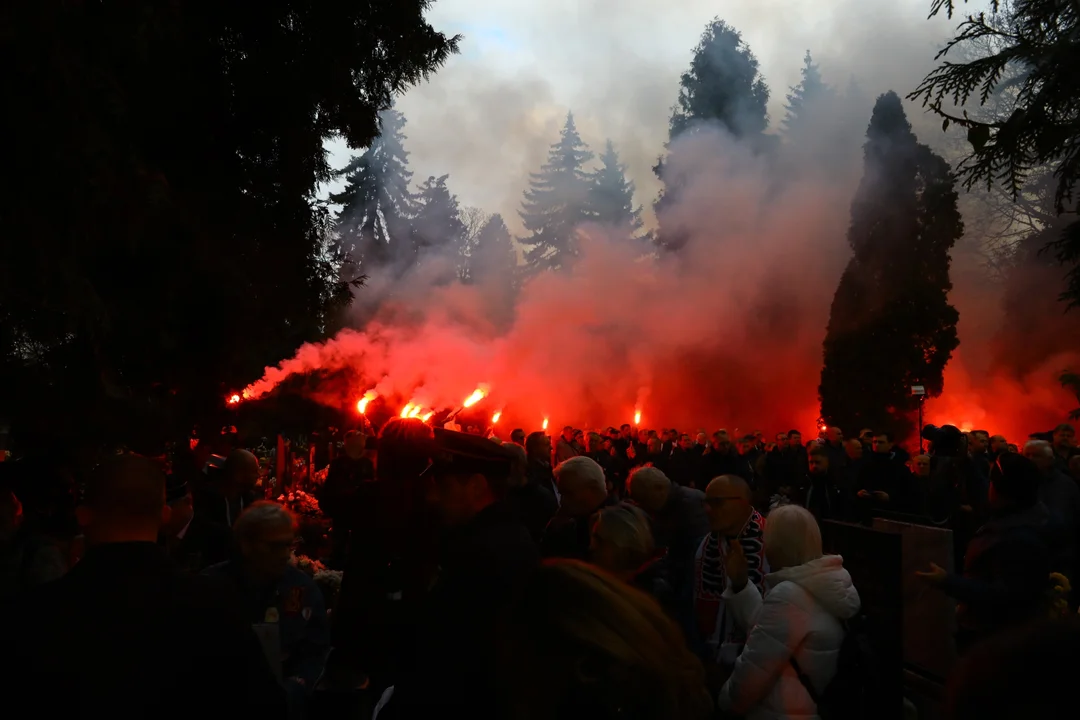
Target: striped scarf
[711,576]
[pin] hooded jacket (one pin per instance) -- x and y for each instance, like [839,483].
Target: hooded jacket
[801,614]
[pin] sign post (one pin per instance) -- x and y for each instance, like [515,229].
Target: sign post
[919,391]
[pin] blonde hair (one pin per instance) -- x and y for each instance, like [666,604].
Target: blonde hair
[626,528]
[585,644]
[792,537]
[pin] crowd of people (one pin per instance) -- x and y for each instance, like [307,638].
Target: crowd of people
[629,574]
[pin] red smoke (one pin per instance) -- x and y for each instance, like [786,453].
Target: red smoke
[727,334]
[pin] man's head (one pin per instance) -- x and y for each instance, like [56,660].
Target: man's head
[978,442]
[1041,453]
[355,443]
[538,447]
[594,442]
[178,498]
[582,485]
[920,465]
[650,488]
[627,432]
[655,446]
[265,532]
[882,442]
[685,443]
[568,434]
[794,438]
[866,436]
[854,448]
[1014,483]
[643,436]
[834,435]
[241,471]
[727,503]
[1064,438]
[998,444]
[518,464]
[517,436]
[124,501]
[702,439]
[818,461]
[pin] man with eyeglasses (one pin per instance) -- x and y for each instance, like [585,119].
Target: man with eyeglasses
[283,603]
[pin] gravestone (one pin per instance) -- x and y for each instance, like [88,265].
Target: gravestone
[929,614]
[874,559]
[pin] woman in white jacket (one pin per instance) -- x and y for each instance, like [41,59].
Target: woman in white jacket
[807,597]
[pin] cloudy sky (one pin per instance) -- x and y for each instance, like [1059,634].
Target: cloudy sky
[488,117]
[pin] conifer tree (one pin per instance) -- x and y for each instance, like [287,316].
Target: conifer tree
[557,202]
[891,325]
[724,86]
[493,255]
[437,224]
[806,99]
[376,203]
[613,194]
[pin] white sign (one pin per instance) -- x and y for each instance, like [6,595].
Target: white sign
[918,389]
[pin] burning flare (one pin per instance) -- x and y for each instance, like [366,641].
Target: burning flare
[428,416]
[637,418]
[234,399]
[544,426]
[477,396]
[406,410]
[495,417]
[415,412]
[361,406]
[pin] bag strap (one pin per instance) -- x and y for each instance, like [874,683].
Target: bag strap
[805,682]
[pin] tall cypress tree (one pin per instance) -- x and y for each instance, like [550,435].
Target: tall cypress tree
[376,203]
[723,85]
[806,99]
[557,202]
[613,194]
[891,325]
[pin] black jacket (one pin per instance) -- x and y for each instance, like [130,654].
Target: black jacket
[451,671]
[123,635]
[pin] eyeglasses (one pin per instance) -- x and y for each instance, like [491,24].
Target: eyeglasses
[720,500]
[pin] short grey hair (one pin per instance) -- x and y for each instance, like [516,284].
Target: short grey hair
[1042,446]
[648,478]
[792,537]
[260,514]
[582,471]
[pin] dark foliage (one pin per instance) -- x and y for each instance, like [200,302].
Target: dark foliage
[1035,46]
[376,202]
[891,324]
[724,87]
[161,240]
[437,225]
[557,202]
[806,100]
[613,194]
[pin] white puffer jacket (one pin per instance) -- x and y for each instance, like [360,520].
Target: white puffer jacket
[801,613]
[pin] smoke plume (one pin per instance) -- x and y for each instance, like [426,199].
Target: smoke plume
[726,334]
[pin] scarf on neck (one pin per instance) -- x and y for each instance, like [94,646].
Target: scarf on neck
[711,575]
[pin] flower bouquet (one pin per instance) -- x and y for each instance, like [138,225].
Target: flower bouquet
[329,581]
[301,503]
[309,566]
[1058,596]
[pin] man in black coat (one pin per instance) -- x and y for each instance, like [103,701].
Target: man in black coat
[123,635]
[192,542]
[485,554]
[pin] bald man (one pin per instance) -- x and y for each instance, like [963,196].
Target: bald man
[732,519]
[126,635]
[233,490]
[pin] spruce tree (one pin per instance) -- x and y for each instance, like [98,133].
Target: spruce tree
[376,203]
[557,202]
[724,86]
[891,325]
[806,99]
[437,224]
[493,256]
[613,194]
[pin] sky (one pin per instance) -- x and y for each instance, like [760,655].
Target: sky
[488,116]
